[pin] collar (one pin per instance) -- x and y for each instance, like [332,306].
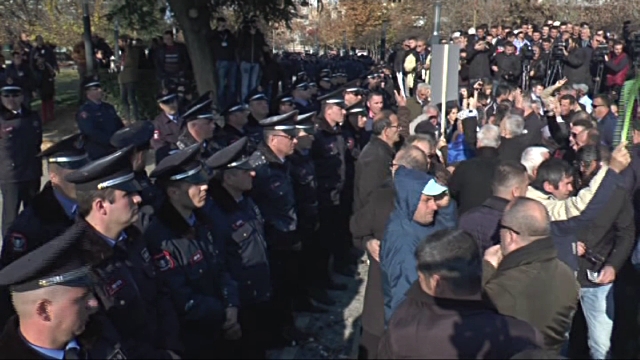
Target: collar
[383,144]
[112,242]
[191,220]
[173,118]
[496,203]
[52,353]
[70,207]
[487,152]
[416,293]
[537,251]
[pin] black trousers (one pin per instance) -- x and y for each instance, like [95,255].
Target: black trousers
[327,243]
[256,323]
[13,195]
[368,348]
[285,281]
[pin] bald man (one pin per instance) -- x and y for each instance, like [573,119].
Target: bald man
[523,277]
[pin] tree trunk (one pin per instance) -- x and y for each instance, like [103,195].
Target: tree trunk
[196,38]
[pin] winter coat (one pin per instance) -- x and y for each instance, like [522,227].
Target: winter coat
[470,184]
[372,169]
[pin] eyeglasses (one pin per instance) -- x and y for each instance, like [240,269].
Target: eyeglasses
[288,137]
[505,227]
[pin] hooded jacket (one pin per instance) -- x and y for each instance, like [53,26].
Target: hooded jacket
[402,236]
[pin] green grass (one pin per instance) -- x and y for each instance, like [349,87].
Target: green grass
[67,83]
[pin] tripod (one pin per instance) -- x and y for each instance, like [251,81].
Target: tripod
[555,73]
[599,73]
[525,79]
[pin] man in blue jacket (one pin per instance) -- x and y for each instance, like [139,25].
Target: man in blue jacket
[418,197]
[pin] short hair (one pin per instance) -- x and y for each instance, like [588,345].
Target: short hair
[454,256]
[537,32]
[508,173]
[422,86]
[380,124]
[546,40]
[588,153]
[571,98]
[529,217]
[585,123]
[489,136]
[502,110]
[509,43]
[85,199]
[553,171]
[606,101]
[593,136]
[168,32]
[532,157]
[374,93]
[412,157]
[432,107]
[514,124]
[503,90]
[415,138]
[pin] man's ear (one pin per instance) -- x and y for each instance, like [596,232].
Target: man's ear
[43,310]
[548,187]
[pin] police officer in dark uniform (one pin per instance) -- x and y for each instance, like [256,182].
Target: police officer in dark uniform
[53,209]
[20,140]
[192,260]
[302,97]
[53,298]
[258,110]
[198,126]
[238,221]
[132,296]
[139,135]
[97,120]
[167,123]
[324,86]
[235,119]
[282,105]
[274,194]
[329,152]
[352,93]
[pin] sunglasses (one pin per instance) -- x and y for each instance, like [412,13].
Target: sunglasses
[505,227]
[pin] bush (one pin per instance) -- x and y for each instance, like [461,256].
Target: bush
[146,91]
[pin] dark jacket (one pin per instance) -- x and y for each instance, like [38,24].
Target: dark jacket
[369,223]
[191,262]
[251,47]
[274,194]
[20,140]
[305,186]
[328,153]
[166,131]
[607,128]
[533,124]
[531,284]
[509,67]
[512,148]
[577,66]
[180,62]
[427,327]
[130,63]
[372,169]
[631,177]
[402,235]
[133,297]
[224,45]
[470,184]
[479,62]
[98,122]
[152,199]
[22,74]
[482,221]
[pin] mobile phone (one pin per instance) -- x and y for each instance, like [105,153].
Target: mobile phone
[592,275]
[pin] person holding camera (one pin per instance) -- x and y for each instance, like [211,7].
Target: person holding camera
[538,67]
[576,63]
[507,65]
[617,66]
[478,57]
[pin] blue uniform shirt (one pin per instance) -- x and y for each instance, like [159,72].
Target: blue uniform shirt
[70,207]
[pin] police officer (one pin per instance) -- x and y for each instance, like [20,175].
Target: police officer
[329,153]
[167,123]
[352,93]
[198,126]
[139,135]
[325,86]
[274,194]
[235,119]
[20,140]
[302,97]
[53,209]
[356,121]
[97,120]
[283,104]
[238,221]
[132,297]
[51,290]
[192,257]
[258,111]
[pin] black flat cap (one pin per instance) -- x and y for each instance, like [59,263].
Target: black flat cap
[353,87]
[285,98]
[91,82]
[333,98]
[52,264]
[166,96]
[325,79]
[284,122]
[113,171]
[305,123]
[231,157]
[200,107]
[358,108]
[182,165]
[235,107]
[138,135]
[68,153]
[255,95]
[300,84]
[10,85]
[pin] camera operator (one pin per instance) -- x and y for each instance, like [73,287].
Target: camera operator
[507,65]
[479,53]
[577,63]
[538,66]
[617,65]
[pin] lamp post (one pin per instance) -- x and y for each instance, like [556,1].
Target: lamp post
[88,45]
[435,39]
[383,41]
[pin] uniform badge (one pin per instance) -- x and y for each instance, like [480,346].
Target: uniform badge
[156,135]
[237,225]
[145,255]
[114,286]
[9,81]
[18,241]
[164,261]
[84,115]
[197,257]
[275,184]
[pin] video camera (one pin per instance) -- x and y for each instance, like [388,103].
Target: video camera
[600,52]
[527,52]
[557,51]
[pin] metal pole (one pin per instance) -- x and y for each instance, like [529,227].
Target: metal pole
[344,43]
[88,45]
[435,39]
[383,41]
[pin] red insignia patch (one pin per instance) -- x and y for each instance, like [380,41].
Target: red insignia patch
[164,261]
[197,257]
[115,286]
[351,144]
[237,225]
[156,134]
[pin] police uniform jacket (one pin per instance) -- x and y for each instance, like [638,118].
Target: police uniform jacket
[305,186]
[328,152]
[304,108]
[42,221]
[228,135]
[98,341]
[192,264]
[20,140]
[254,131]
[132,295]
[242,228]
[98,122]
[166,131]
[209,147]
[274,194]
[152,198]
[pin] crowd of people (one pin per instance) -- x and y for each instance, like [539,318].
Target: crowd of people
[502,228]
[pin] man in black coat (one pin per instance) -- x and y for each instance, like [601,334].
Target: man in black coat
[470,184]
[479,54]
[507,65]
[577,63]
[373,166]
[368,226]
